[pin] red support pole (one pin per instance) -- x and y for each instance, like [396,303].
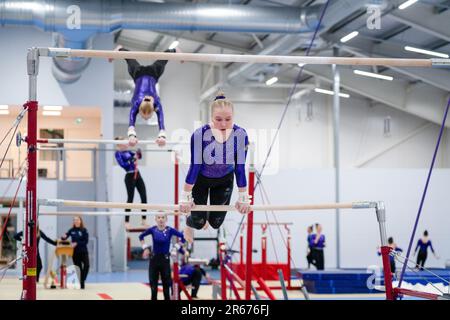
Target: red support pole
[265,288]
[186,292]
[241,245]
[233,287]
[30,243]
[241,249]
[63,273]
[223,275]
[288,242]
[417,294]
[176,274]
[390,295]
[248,267]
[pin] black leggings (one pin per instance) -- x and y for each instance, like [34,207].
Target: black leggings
[392,263]
[38,266]
[219,190]
[160,264]
[317,256]
[155,70]
[132,184]
[310,258]
[81,260]
[421,258]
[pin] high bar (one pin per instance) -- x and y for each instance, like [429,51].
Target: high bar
[241,58]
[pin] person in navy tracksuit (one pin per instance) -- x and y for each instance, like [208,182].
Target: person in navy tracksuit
[80,238]
[159,254]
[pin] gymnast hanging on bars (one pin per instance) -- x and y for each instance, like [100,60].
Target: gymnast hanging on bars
[145,99]
[128,159]
[218,152]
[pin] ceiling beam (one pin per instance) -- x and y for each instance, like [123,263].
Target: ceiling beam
[422,18]
[417,99]
[439,78]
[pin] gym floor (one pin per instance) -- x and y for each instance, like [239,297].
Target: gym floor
[12,286]
[133,285]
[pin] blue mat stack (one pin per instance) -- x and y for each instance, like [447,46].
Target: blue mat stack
[357,281]
[337,282]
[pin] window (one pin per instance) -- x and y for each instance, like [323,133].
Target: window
[49,155]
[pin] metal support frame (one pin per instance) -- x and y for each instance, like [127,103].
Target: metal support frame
[30,217]
[30,244]
[264,226]
[249,258]
[223,273]
[176,275]
[385,250]
[336,152]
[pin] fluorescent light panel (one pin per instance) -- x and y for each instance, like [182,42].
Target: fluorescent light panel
[51,113]
[4,112]
[4,107]
[331,93]
[373,75]
[271,81]
[349,36]
[53,108]
[407,4]
[174,44]
[427,52]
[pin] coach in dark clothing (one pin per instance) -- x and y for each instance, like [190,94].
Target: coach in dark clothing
[80,238]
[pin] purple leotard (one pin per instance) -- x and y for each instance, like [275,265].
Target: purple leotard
[212,159]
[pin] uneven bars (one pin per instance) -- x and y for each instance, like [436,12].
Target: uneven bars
[205,57]
[101,150]
[211,208]
[104,141]
[270,223]
[103,213]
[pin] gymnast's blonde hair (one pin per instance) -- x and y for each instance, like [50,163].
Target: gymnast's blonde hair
[221,102]
[147,107]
